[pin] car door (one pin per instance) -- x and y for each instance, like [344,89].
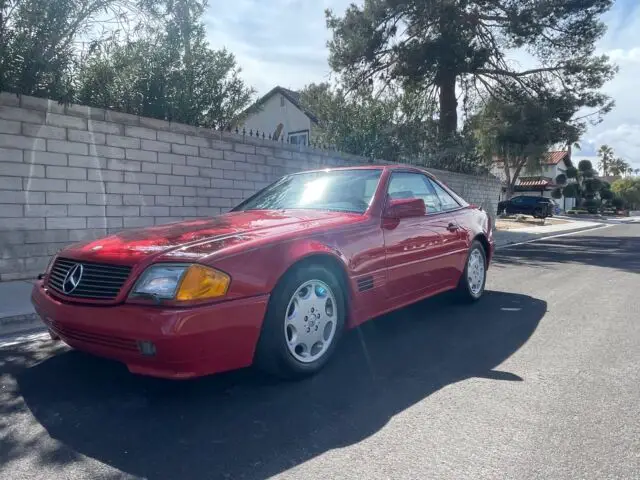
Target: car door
[412,244]
[528,205]
[455,241]
[516,205]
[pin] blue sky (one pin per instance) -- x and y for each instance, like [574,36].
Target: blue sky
[283,42]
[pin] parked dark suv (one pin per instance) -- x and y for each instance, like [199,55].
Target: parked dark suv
[539,207]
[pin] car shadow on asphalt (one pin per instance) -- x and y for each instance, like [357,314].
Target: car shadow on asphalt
[619,252]
[245,425]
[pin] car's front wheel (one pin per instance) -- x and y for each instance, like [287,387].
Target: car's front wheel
[304,321]
[539,213]
[473,279]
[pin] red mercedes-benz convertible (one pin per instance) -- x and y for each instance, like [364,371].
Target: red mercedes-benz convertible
[274,282]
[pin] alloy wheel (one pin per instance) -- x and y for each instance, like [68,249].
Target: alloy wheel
[310,321]
[475,272]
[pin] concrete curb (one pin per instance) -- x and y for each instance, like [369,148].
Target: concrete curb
[20,323]
[543,236]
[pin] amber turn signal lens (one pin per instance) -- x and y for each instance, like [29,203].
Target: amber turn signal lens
[201,283]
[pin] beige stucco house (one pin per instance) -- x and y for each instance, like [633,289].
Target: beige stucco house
[280,114]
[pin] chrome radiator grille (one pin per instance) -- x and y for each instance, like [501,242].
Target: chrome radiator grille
[95,281]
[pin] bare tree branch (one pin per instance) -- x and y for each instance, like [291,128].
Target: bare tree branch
[508,73]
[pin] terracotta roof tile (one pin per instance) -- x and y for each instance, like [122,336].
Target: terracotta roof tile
[553,158]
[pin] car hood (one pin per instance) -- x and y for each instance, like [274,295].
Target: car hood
[194,239]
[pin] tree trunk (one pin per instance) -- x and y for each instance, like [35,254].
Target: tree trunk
[183,14]
[519,163]
[509,191]
[507,178]
[448,123]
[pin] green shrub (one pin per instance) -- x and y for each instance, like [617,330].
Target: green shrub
[606,194]
[585,165]
[571,191]
[617,202]
[578,211]
[592,205]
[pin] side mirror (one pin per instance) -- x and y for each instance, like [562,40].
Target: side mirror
[405,208]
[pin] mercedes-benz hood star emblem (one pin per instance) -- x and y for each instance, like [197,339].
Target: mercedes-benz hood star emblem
[72,279]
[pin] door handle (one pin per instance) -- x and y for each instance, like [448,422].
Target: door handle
[452,227]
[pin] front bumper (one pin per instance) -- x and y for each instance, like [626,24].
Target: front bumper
[188,342]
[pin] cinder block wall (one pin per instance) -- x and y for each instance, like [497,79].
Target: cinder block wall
[73,173]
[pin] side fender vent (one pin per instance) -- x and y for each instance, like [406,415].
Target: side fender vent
[365,284]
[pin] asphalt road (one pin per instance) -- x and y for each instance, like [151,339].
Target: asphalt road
[540,380]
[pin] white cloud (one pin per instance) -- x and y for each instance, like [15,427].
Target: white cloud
[283,42]
[620,129]
[624,138]
[280,42]
[621,55]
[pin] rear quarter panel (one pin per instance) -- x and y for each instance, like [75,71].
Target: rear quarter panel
[475,222]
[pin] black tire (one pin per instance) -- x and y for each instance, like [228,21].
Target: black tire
[272,354]
[464,291]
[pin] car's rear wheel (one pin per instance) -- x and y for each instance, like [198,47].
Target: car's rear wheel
[473,279]
[304,321]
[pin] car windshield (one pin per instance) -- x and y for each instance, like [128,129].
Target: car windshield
[342,190]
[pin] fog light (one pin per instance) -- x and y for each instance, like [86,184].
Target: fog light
[147,348]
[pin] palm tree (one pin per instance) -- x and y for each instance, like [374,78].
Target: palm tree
[605,152]
[619,167]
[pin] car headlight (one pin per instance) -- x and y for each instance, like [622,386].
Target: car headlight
[182,282]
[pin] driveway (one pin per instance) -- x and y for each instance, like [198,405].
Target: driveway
[541,379]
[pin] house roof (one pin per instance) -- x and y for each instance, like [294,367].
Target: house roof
[291,95]
[610,178]
[554,158]
[550,158]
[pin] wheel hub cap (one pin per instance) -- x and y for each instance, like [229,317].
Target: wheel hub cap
[475,272]
[310,321]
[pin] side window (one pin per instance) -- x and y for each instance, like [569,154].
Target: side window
[299,138]
[414,185]
[446,200]
[517,200]
[370,185]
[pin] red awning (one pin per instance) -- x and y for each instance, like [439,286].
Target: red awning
[535,182]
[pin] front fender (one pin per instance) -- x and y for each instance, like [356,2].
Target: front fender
[257,271]
[302,250]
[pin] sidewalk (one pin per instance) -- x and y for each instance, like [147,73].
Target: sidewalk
[17,314]
[528,233]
